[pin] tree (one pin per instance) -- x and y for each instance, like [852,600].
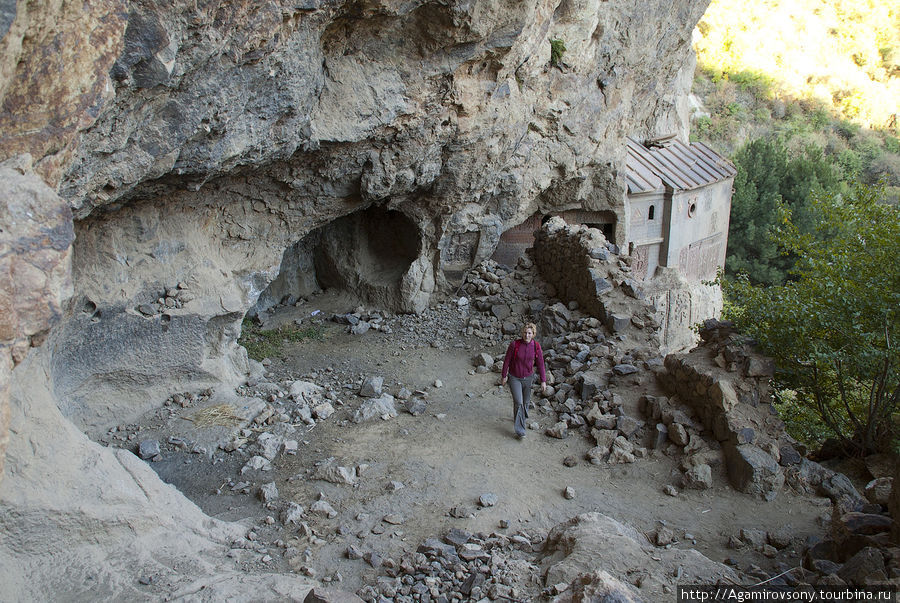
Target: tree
[833,328]
[769,175]
[754,206]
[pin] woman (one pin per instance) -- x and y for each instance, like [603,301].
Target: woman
[518,367]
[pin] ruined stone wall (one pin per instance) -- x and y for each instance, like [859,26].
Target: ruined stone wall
[727,385]
[584,267]
[577,260]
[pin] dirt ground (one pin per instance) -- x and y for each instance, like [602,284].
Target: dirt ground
[462,447]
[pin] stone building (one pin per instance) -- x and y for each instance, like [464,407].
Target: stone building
[677,204]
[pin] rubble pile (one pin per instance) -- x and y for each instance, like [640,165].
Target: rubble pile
[461,567]
[585,359]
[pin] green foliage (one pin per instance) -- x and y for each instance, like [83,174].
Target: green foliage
[761,166]
[768,176]
[557,48]
[833,328]
[269,343]
[855,41]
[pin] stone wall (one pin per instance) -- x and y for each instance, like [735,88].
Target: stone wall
[583,266]
[726,384]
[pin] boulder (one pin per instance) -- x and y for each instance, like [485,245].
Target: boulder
[592,542]
[753,471]
[867,564]
[878,491]
[380,407]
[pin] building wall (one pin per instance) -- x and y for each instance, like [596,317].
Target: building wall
[645,232]
[697,223]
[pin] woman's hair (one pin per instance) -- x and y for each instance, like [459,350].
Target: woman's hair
[528,325]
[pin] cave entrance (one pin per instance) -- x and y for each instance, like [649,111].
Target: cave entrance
[365,254]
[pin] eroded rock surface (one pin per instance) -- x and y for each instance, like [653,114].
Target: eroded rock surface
[379,147]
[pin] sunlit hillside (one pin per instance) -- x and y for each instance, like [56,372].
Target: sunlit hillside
[845,53]
[822,78]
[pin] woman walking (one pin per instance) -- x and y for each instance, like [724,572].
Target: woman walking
[518,366]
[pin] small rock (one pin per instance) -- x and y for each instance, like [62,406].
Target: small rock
[322,411]
[670,490]
[560,430]
[438,383]
[320,507]
[148,449]
[371,387]
[487,500]
[569,493]
[292,514]
[415,406]
[698,477]
[268,493]
[256,463]
[664,535]
[570,461]
[483,359]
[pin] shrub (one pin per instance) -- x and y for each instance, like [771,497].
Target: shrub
[833,329]
[557,48]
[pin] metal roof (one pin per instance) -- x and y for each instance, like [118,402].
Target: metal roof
[674,164]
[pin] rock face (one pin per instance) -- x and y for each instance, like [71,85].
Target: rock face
[35,269]
[206,150]
[381,146]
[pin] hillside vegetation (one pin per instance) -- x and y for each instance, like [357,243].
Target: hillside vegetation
[814,75]
[804,97]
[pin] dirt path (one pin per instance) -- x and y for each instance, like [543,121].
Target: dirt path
[461,448]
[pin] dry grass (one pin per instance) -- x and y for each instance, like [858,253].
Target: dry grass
[223,415]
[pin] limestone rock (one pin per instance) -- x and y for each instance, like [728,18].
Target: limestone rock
[371,387]
[592,542]
[559,430]
[336,474]
[698,477]
[306,391]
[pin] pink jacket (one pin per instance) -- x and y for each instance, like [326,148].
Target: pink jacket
[520,359]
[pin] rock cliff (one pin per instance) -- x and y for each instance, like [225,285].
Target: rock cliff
[199,149]
[402,136]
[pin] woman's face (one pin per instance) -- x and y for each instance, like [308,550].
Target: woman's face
[528,334]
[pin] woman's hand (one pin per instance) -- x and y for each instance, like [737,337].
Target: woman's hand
[544,388]
[503,381]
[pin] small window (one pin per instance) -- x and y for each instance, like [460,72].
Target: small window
[692,210]
[651,212]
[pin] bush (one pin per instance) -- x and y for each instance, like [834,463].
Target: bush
[557,48]
[833,328]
